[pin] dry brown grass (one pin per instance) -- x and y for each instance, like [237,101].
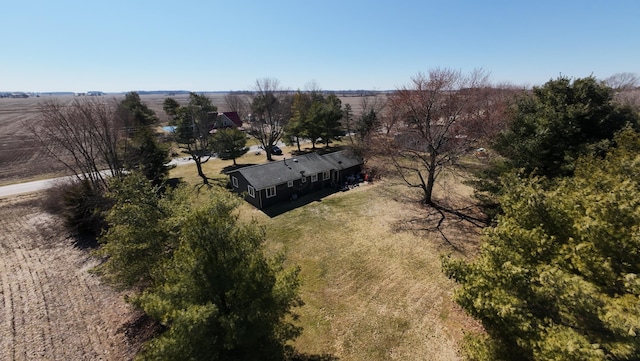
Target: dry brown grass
[373,290]
[370,272]
[370,266]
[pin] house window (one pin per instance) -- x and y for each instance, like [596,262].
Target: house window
[326,175]
[271,192]
[314,177]
[304,179]
[234,181]
[290,184]
[252,191]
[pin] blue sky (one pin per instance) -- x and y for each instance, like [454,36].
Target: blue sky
[114,45]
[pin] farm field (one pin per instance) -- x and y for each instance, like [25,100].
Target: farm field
[51,308]
[370,272]
[23,160]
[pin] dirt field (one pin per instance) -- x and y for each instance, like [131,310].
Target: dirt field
[51,308]
[373,287]
[22,159]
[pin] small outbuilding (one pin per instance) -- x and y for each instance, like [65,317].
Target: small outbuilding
[266,184]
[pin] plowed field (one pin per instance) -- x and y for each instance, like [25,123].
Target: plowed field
[23,159]
[51,308]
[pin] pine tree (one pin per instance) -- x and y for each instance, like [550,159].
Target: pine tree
[230,144]
[557,278]
[219,296]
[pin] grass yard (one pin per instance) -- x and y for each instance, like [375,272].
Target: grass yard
[371,280]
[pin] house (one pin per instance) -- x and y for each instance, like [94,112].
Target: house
[266,184]
[228,120]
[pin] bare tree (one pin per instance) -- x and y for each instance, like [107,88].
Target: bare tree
[488,112]
[432,117]
[312,87]
[272,110]
[83,135]
[363,128]
[626,88]
[238,102]
[623,81]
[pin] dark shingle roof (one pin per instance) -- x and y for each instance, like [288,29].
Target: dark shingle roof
[262,176]
[234,117]
[342,159]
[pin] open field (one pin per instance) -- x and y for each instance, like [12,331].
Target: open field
[21,158]
[371,281]
[370,272]
[51,308]
[24,160]
[373,289]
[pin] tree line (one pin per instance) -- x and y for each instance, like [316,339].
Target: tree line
[199,272]
[157,244]
[556,277]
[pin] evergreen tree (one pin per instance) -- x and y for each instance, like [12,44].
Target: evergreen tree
[139,113]
[330,121]
[148,156]
[559,122]
[322,121]
[142,151]
[220,297]
[299,110]
[558,276]
[171,107]
[140,236]
[230,144]
[550,129]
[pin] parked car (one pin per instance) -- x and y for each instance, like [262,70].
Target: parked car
[276,150]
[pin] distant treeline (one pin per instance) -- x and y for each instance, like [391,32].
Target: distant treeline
[343,93]
[13,95]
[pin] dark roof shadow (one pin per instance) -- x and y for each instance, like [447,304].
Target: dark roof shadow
[322,150]
[284,207]
[231,168]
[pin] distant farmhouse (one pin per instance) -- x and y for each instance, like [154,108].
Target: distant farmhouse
[92,93]
[266,184]
[228,120]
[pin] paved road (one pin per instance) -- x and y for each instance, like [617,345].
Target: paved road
[28,187]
